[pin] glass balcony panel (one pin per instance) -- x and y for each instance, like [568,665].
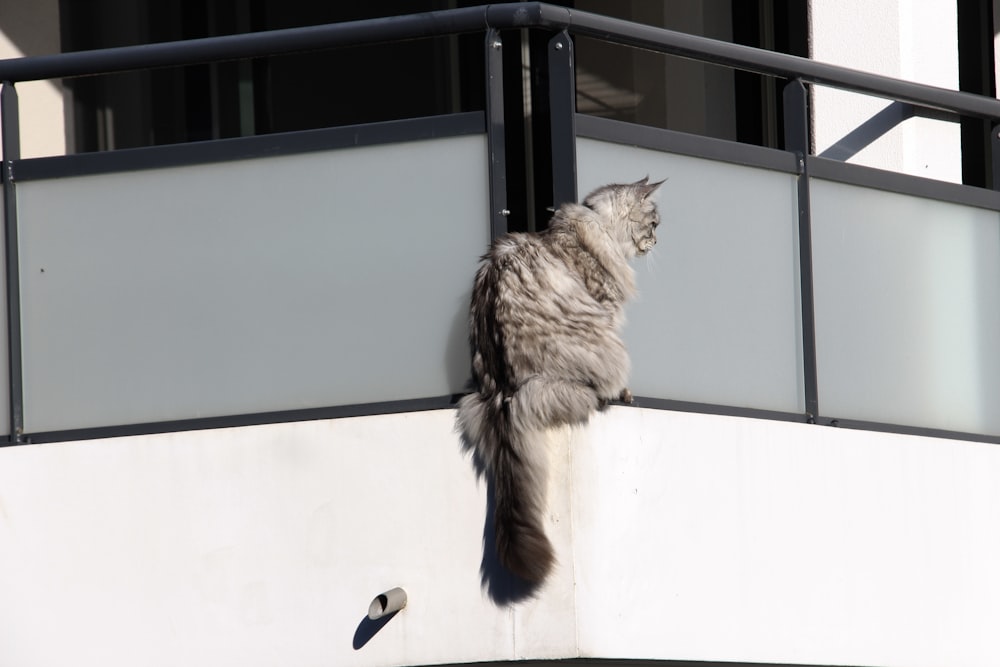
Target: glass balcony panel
[311,280]
[717,319]
[907,309]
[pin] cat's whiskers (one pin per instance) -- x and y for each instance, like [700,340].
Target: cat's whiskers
[649,263]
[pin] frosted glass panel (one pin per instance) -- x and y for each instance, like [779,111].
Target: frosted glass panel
[907,309]
[717,318]
[300,281]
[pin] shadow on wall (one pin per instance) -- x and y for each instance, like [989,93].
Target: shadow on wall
[31,27]
[503,587]
[368,629]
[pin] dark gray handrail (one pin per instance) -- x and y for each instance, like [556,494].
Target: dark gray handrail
[249,45]
[503,16]
[781,65]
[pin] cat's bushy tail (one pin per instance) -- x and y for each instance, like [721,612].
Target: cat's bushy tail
[517,460]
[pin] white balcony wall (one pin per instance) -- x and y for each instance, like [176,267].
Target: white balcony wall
[717,318]
[679,537]
[326,278]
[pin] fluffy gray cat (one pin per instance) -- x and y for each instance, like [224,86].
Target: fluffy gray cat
[547,309]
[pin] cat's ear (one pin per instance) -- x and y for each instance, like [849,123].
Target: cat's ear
[648,188]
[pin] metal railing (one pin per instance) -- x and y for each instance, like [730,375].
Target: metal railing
[563,23]
[498,17]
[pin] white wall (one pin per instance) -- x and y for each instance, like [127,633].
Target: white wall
[254,546]
[913,40]
[709,538]
[680,536]
[32,29]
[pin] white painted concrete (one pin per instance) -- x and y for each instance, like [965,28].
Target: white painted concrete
[680,536]
[255,546]
[711,538]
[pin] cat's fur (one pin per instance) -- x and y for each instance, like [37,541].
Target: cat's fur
[546,313]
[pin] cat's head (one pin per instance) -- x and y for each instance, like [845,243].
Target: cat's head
[630,211]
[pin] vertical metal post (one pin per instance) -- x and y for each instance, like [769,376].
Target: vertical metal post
[10,141]
[562,118]
[995,155]
[796,110]
[495,134]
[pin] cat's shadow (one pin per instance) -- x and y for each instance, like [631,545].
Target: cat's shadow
[501,585]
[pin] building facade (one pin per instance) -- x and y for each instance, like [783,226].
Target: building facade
[239,244]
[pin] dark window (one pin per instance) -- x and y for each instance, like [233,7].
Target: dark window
[674,93]
[275,94]
[421,77]
[409,79]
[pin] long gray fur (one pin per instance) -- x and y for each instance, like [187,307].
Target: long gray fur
[545,322]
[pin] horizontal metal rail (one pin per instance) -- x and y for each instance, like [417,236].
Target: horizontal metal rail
[776,64]
[249,45]
[503,16]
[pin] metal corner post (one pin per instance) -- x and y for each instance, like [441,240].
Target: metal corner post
[11,143]
[495,134]
[562,118]
[795,99]
[995,155]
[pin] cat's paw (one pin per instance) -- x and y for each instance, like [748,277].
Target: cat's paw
[626,396]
